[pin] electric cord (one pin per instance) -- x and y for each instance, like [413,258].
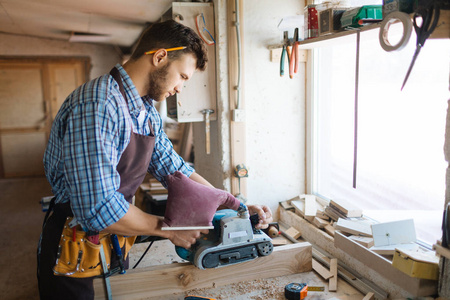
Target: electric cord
[143,254]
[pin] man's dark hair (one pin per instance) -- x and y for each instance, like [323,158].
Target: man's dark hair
[170,34]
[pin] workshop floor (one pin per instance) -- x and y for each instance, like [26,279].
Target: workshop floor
[20,224]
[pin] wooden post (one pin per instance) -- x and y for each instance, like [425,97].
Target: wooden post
[237,129]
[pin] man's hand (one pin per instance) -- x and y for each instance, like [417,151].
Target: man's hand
[185,238]
[264,213]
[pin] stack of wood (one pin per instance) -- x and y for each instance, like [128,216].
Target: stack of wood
[156,188]
[332,215]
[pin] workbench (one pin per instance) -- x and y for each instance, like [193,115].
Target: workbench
[162,252]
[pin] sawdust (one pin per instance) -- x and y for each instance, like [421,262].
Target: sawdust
[259,289]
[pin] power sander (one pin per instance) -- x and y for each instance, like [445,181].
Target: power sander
[233,240]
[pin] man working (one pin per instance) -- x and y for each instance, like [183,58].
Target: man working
[105,137]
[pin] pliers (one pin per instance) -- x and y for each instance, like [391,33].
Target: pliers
[293,63]
[284,51]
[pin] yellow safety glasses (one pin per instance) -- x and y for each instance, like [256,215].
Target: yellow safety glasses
[168,49]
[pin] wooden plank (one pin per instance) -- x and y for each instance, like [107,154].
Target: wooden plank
[369,296]
[287,205]
[320,223]
[321,270]
[238,136]
[363,240]
[310,207]
[299,206]
[346,208]
[332,284]
[329,229]
[354,227]
[321,214]
[181,277]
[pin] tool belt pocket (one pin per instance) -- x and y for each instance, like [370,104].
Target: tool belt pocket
[80,258]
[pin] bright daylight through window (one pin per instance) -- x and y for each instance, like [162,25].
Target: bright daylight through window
[400,164]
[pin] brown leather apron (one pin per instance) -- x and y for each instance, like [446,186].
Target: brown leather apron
[132,168]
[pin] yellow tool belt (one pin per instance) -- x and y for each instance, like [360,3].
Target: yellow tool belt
[78,257]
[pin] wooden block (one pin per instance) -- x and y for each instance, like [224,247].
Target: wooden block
[333,214]
[287,205]
[294,233]
[332,283]
[175,278]
[310,207]
[346,208]
[279,240]
[329,229]
[320,223]
[363,240]
[321,214]
[442,251]
[321,270]
[369,296]
[354,227]
[299,206]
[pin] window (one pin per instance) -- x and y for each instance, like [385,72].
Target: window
[400,159]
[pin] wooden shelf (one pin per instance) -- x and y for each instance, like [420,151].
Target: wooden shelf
[329,38]
[442,31]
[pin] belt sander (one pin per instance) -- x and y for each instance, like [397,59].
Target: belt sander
[234,239]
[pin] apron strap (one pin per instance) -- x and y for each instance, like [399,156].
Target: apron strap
[116,75]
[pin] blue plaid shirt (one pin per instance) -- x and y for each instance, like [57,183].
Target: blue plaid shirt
[89,135]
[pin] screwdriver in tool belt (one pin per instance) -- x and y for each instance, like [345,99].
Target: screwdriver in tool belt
[116,246]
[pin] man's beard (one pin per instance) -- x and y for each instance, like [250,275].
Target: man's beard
[156,82]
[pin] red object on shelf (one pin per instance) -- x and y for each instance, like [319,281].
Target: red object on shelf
[311,22]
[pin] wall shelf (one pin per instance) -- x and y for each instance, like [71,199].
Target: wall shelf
[442,31]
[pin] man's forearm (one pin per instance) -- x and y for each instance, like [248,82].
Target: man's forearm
[197,178]
[137,222]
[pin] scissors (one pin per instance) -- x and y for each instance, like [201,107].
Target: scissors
[430,17]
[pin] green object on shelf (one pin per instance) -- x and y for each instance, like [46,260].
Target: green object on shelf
[357,17]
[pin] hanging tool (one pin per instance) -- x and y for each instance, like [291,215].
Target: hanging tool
[207,38]
[293,63]
[430,17]
[284,52]
[207,112]
[294,291]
